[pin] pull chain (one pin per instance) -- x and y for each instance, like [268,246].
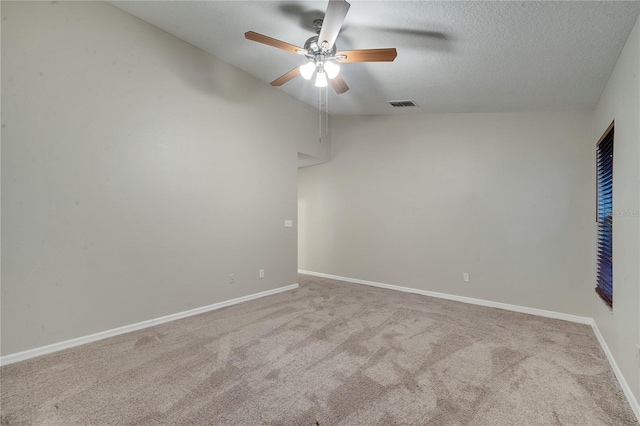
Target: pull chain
[326,111]
[320,113]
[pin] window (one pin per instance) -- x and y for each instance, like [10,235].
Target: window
[604,156]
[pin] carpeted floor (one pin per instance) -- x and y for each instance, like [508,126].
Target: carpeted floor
[329,353]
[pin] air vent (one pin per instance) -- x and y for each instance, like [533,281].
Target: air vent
[402,104]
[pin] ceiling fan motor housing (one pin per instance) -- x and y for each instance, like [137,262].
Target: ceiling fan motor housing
[312,48]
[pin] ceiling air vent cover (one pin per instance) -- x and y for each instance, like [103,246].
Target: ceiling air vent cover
[402,104]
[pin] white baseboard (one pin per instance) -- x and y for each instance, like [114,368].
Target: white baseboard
[635,406]
[516,308]
[488,303]
[31,353]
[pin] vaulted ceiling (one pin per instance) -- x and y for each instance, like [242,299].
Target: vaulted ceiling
[454,56]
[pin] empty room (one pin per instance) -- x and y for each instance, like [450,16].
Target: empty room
[320,213]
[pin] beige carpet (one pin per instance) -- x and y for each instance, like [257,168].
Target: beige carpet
[329,353]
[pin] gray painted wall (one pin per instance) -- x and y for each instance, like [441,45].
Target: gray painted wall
[621,101]
[417,200]
[137,173]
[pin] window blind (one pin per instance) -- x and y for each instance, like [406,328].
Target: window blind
[605,218]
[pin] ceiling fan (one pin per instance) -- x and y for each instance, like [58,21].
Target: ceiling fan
[321,51]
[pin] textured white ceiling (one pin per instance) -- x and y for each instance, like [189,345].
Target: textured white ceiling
[452,56]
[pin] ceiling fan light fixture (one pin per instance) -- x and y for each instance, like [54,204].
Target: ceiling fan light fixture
[307,70]
[332,69]
[321,79]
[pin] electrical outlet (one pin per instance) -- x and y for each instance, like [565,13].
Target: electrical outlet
[232,278]
[465,277]
[261,273]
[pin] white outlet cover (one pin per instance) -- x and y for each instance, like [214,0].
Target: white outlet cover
[288,223]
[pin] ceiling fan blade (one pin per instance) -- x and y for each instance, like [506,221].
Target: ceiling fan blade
[368,55]
[339,85]
[333,19]
[286,77]
[260,38]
